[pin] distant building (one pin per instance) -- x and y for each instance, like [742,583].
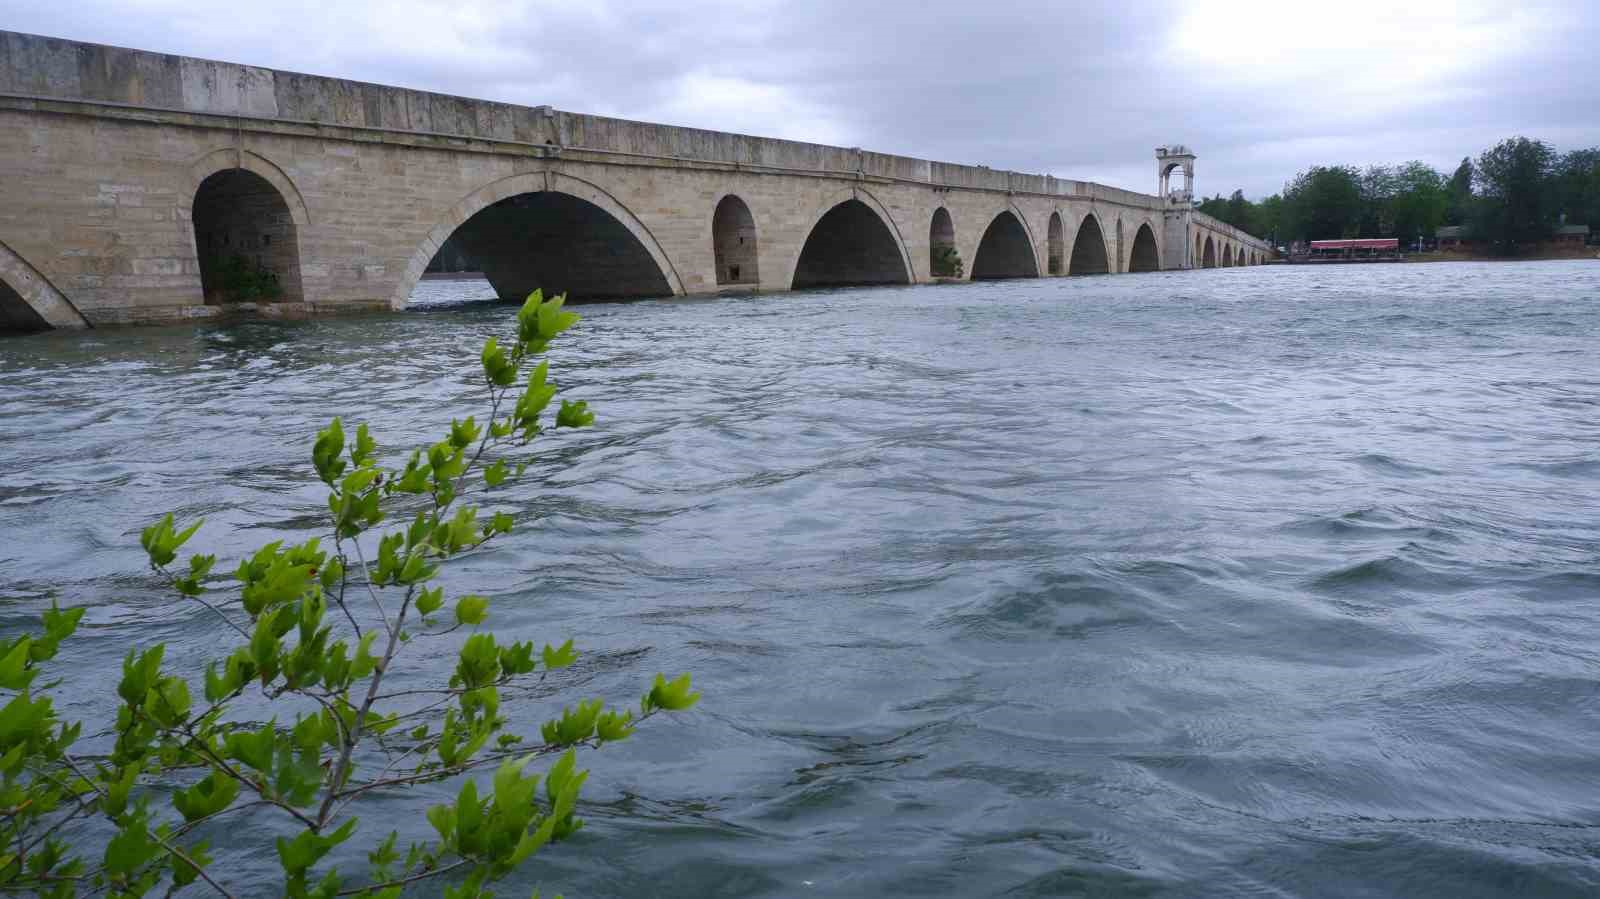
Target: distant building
[1571,234]
[1452,236]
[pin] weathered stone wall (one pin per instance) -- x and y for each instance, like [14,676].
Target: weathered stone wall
[103,150]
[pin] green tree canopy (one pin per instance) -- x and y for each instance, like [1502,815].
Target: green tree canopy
[1517,200]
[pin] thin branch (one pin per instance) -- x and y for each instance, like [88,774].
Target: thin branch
[344,579]
[175,851]
[424,875]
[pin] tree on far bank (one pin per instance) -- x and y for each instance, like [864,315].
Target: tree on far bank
[1459,189]
[1323,202]
[1578,187]
[1420,201]
[1516,203]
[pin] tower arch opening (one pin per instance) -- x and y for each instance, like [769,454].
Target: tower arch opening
[1005,251]
[733,240]
[1146,257]
[246,240]
[850,246]
[1089,249]
[944,261]
[559,243]
[1055,246]
[1209,260]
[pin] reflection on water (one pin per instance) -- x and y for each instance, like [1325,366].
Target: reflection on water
[1239,582]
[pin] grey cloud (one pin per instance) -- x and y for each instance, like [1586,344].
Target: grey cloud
[1081,90]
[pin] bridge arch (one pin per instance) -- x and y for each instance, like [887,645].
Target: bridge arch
[1238,257]
[634,263]
[1209,260]
[1055,245]
[1006,250]
[246,239]
[228,158]
[852,242]
[1089,255]
[944,260]
[1194,261]
[1146,253]
[28,301]
[733,242]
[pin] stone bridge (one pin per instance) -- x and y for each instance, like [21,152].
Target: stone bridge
[142,187]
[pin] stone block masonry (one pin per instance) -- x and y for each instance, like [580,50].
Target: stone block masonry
[129,180]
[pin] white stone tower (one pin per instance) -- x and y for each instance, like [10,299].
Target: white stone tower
[1174,157]
[1177,245]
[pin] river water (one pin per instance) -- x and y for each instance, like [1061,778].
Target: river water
[1271,581]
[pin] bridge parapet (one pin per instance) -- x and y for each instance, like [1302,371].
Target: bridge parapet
[128,177]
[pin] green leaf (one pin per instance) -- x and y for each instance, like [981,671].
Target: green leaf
[669,696]
[560,658]
[472,609]
[574,725]
[614,726]
[210,795]
[361,453]
[497,369]
[14,671]
[496,474]
[464,433]
[306,849]
[574,415]
[325,453]
[161,543]
[429,601]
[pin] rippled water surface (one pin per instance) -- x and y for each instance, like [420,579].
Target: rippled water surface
[1276,581]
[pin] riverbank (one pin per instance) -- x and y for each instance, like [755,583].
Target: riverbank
[1577,255]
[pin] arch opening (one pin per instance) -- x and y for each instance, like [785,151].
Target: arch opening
[246,240]
[1056,249]
[562,244]
[1145,256]
[1089,249]
[1004,251]
[944,260]
[850,246]
[1238,258]
[16,315]
[1209,260]
[733,240]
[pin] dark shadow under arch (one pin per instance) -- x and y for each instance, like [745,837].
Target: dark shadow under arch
[1004,251]
[1089,249]
[16,315]
[733,240]
[1145,258]
[561,244]
[850,246]
[943,259]
[1238,257]
[246,240]
[1209,260]
[1055,246]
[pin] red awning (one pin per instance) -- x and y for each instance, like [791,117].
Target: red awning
[1377,243]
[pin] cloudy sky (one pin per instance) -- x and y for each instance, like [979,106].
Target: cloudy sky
[1083,90]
